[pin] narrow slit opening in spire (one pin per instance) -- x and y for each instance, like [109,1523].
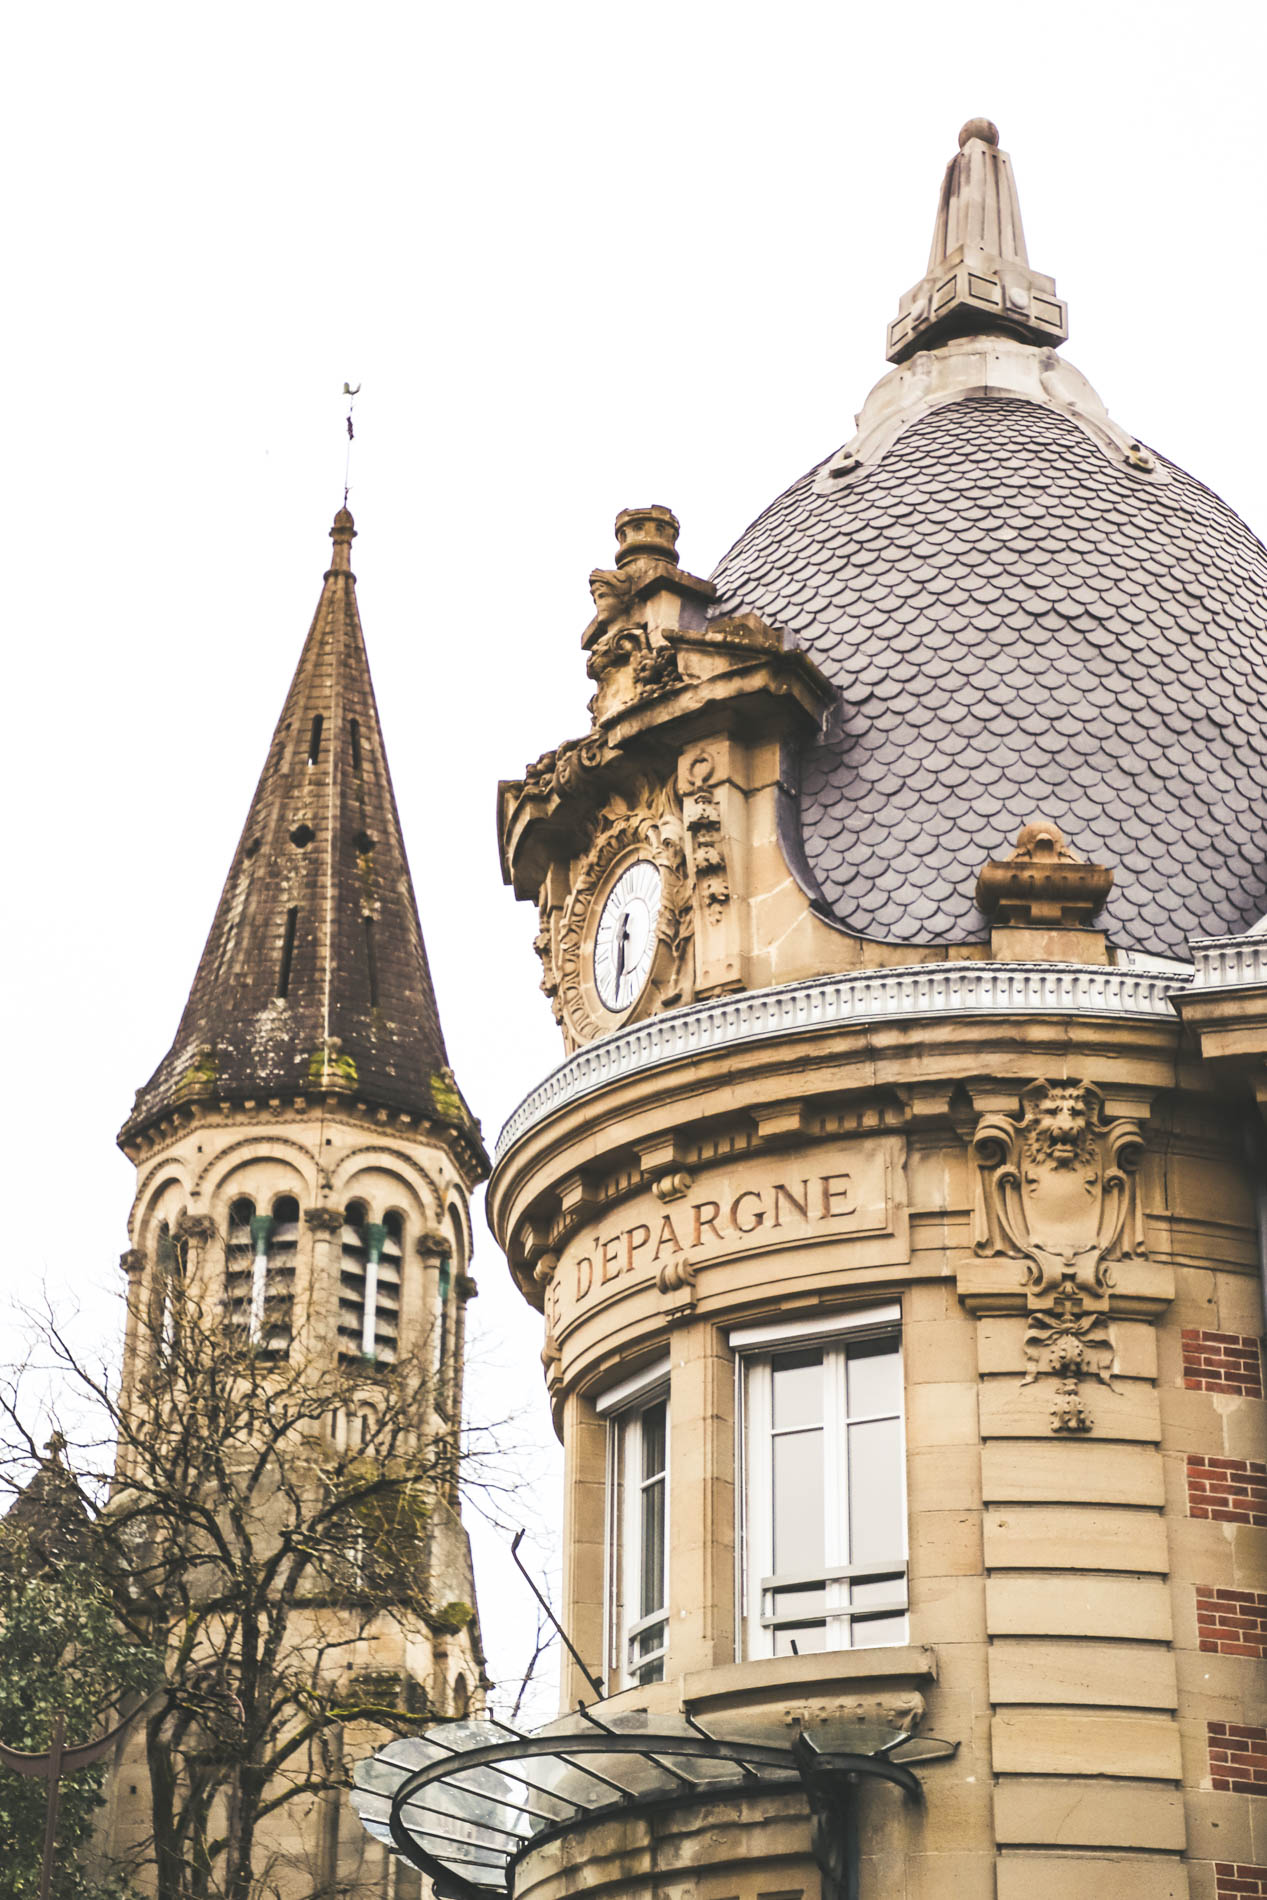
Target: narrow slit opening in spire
[371,961]
[288,950]
[354,732]
[314,739]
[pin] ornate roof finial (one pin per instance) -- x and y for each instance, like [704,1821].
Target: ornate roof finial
[979,278]
[343,533]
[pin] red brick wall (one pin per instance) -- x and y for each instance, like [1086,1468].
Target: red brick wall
[1238,1758]
[1232,1490]
[1234,1878]
[1222,1362]
[1232,1622]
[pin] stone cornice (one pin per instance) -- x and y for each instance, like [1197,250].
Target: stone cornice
[1229,962]
[865,996]
[465,1147]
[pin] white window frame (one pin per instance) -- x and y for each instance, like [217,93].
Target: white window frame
[755,1347]
[624,1407]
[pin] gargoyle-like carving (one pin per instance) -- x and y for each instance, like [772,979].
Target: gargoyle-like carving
[569,769]
[1057,1189]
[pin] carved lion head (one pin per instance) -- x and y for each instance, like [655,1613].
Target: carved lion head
[1056,1129]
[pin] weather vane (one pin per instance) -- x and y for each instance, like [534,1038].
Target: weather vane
[351,395]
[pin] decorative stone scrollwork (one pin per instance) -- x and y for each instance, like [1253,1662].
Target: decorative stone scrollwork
[1057,1189]
[675,1275]
[324,1220]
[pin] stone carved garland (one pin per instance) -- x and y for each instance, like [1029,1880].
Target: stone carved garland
[649,826]
[703,822]
[1057,1189]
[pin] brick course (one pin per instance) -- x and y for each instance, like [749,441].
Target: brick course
[1232,1622]
[1238,1759]
[1230,1490]
[1236,1878]
[1222,1362]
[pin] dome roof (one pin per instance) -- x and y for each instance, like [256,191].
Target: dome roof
[1019,627]
[1026,615]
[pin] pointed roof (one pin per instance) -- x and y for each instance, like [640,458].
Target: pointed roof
[978,279]
[314,978]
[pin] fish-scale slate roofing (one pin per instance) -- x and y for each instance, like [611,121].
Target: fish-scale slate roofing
[1021,627]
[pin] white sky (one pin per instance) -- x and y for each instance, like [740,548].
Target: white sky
[580,256]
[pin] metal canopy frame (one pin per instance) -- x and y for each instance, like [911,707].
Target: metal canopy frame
[594,1770]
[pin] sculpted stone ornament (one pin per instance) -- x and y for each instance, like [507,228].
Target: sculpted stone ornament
[1043,882]
[1057,1189]
[704,826]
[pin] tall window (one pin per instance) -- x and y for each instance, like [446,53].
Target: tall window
[369,1285]
[824,1493]
[638,1525]
[260,1272]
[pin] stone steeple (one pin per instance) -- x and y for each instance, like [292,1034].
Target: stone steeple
[978,280]
[314,978]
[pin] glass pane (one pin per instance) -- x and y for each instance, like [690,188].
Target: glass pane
[809,1639]
[875,1492]
[797,1378]
[878,1632]
[798,1502]
[651,1596]
[650,1643]
[653,1439]
[790,1603]
[874,1376]
[887,1589]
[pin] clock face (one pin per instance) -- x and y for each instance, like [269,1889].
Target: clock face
[624,947]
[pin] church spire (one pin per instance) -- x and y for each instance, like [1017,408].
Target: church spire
[314,978]
[979,278]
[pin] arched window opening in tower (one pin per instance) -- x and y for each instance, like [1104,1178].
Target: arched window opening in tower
[302,836]
[314,739]
[354,733]
[352,1281]
[369,1286]
[239,1263]
[288,951]
[387,1292]
[279,1284]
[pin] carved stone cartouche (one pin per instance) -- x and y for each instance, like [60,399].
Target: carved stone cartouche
[1057,1190]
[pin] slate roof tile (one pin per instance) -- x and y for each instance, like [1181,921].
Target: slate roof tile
[1022,628]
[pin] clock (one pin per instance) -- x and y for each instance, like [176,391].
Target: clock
[625,942]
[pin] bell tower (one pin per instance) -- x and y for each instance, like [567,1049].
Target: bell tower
[305,1158]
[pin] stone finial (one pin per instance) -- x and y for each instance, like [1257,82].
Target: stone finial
[646,531]
[979,278]
[343,533]
[1043,882]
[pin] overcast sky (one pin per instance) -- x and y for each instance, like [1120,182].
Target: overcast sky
[579,256]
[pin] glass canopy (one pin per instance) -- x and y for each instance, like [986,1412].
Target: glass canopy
[463,1800]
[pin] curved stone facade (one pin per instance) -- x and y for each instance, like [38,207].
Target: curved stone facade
[1058,1539]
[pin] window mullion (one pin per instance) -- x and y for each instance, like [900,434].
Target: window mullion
[836,1489]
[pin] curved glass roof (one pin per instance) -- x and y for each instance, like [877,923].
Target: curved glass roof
[464,1799]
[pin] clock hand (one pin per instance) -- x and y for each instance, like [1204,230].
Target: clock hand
[621,942]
